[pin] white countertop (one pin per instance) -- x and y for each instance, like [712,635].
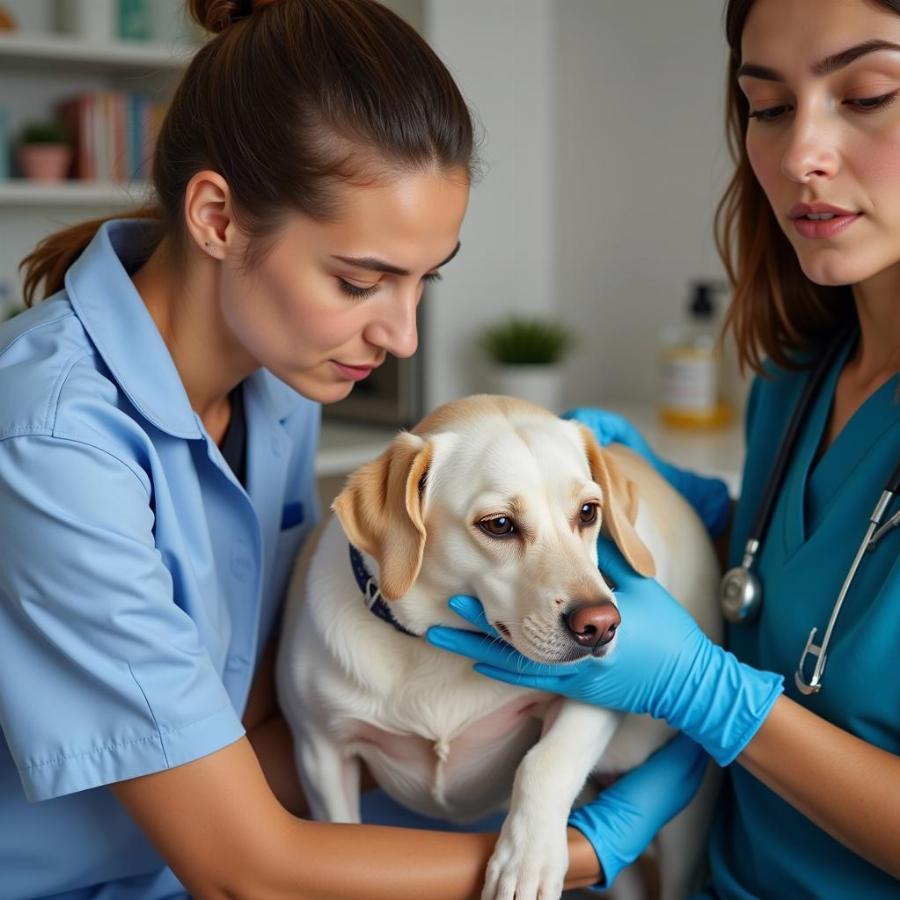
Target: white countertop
[708,451]
[345,446]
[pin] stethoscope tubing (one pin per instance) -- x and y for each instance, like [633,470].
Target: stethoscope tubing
[741,589]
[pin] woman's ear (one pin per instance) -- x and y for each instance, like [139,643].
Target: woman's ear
[380,510]
[208,214]
[620,506]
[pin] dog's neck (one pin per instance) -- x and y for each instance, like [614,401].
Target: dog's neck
[371,592]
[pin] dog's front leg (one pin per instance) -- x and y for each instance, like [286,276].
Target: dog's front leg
[531,856]
[330,777]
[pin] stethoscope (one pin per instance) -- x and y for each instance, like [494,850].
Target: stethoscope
[741,590]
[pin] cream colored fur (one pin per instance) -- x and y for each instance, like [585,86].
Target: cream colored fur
[439,738]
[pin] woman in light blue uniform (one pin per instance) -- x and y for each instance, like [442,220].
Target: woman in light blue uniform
[159,415]
[811,809]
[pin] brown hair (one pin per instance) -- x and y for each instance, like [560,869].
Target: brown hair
[289,97]
[776,311]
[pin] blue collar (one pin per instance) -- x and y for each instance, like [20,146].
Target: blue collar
[372,593]
[100,289]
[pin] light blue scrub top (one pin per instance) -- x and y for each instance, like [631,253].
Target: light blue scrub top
[761,846]
[138,580]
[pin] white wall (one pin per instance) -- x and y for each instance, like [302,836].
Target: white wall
[501,55]
[642,163]
[605,157]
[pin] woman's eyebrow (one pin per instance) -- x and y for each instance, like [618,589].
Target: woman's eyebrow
[373,264]
[823,67]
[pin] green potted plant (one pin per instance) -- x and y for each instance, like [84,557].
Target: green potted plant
[526,355]
[45,152]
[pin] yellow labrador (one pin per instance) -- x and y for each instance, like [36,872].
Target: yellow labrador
[497,498]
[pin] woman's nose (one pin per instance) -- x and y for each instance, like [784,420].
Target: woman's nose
[393,328]
[811,152]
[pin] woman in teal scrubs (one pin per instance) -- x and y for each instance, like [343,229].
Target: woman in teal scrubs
[811,807]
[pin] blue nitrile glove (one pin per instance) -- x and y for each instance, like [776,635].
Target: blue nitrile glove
[662,664]
[708,496]
[626,816]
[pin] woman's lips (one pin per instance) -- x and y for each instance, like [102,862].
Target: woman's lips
[352,373]
[821,220]
[824,228]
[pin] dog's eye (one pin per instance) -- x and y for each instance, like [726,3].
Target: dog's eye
[587,515]
[501,526]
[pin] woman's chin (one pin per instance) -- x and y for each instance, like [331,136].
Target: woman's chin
[833,267]
[831,272]
[319,390]
[330,393]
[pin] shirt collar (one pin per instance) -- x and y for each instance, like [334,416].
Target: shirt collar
[112,312]
[101,292]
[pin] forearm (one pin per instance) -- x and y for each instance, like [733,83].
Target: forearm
[584,867]
[848,787]
[274,748]
[220,828]
[396,864]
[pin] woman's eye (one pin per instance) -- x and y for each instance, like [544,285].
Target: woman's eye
[588,513]
[866,104]
[500,526]
[770,114]
[354,290]
[431,277]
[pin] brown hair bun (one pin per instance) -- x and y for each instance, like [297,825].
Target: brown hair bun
[216,15]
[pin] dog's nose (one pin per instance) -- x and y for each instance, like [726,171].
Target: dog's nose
[593,624]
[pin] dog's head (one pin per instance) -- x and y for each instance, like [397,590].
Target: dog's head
[497,498]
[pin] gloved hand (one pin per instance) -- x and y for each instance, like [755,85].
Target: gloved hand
[708,496]
[626,816]
[662,664]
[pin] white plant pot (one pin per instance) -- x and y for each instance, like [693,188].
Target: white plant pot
[541,384]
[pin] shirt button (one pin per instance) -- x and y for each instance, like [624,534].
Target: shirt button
[241,563]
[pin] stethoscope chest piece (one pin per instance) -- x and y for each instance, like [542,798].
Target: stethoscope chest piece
[741,591]
[741,597]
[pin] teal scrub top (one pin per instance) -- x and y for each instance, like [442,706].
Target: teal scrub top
[761,846]
[139,579]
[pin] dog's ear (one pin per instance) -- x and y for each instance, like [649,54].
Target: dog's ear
[620,506]
[380,510]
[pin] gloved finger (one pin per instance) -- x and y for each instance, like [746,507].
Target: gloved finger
[473,644]
[611,562]
[470,609]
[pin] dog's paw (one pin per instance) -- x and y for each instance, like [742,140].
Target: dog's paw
[529,862]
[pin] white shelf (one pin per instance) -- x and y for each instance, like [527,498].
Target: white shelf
[23,50]
[19,192]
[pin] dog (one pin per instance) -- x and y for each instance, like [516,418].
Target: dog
[497,498]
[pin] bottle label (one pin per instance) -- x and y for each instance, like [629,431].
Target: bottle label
[690,383]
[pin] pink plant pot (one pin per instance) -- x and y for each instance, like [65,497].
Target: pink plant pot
[45,162]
